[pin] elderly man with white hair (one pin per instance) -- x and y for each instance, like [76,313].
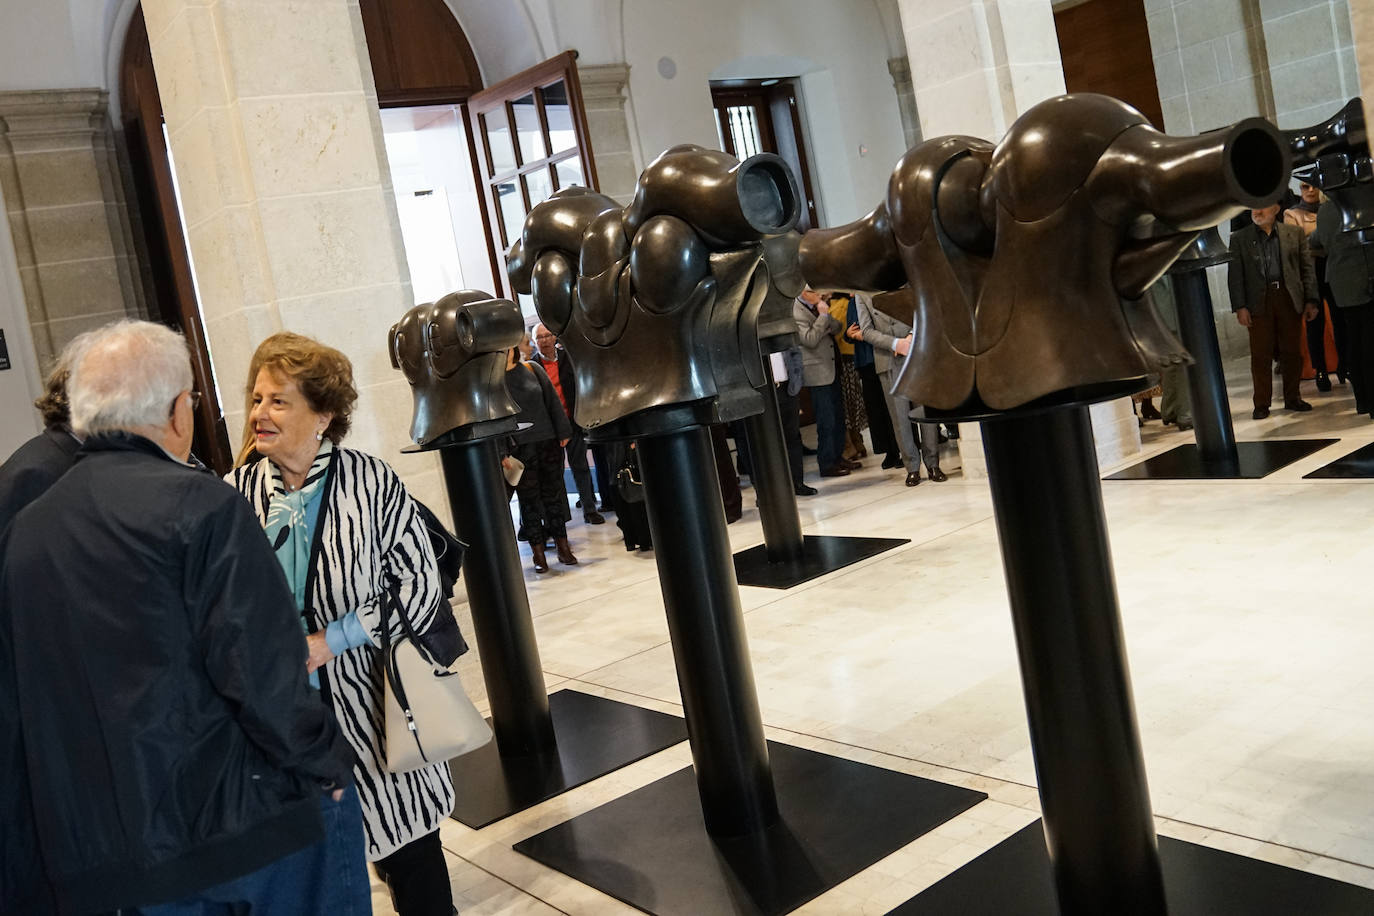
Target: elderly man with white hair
[152,667]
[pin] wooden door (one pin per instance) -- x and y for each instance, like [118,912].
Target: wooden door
[530,139]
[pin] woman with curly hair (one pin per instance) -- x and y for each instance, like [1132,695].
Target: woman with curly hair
[349,537]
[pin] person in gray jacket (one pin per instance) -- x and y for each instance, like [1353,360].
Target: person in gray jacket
[891,341]
[1350,273]
[815,327]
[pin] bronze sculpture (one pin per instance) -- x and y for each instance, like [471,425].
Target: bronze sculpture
[1337,159]
[659,303]
[1027,260]
[453,353]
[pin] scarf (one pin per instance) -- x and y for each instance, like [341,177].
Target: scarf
[291,516]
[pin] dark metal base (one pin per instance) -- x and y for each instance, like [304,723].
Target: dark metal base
[1359,463]
[821,554]
[1254,460]
[1014,878]
[650,848]
[595,736]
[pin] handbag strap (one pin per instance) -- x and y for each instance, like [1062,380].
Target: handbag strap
[390,595]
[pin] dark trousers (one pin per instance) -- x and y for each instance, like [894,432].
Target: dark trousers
[1358,353]
[604,470]
[725,470]
[827,403]
[875,405]
[1274,333]
[418,877]
[581,471]
[543,498]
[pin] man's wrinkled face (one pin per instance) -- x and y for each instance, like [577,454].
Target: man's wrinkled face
[547,343]
[1264,216]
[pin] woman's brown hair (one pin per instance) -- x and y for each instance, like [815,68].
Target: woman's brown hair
[323,374]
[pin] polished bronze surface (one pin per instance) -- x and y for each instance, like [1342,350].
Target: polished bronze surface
[453,353]
[662,303]
[1334,156]
[1024,263]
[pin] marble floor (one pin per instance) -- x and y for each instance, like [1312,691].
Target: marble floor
[1248,633]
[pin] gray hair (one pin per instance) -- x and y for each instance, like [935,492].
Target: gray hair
[127,376]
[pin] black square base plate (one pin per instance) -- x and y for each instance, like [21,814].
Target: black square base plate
[1014,878]
[1359,463]
[650,848]
[1253,460]
[595,736]
[821,554]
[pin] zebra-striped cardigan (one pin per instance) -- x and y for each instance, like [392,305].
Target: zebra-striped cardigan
[368,530]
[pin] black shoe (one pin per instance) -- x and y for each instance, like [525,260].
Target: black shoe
[808,450]
[1185,424]
[1342,376]
[802,489]
[629,545]
[838,470]
[913,478]
[937,475]
[1298,406]
[892,461]
[732,517]
[1323,383]
[1259,413]
[593,518]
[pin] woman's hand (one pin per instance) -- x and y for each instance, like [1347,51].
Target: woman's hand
[854,332]
[320,653]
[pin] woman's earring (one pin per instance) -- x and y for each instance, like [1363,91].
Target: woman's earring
[319,435]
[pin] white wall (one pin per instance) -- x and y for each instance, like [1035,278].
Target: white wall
[847,93]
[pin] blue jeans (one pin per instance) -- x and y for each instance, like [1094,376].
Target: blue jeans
[328,879]
[828,406]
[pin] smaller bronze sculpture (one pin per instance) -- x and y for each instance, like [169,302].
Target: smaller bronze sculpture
[661,303]
[1336,157]
[1027,260]
[453,353]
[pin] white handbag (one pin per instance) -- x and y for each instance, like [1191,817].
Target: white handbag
[429,717]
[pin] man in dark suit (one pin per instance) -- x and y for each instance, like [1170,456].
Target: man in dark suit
[558,367]
[1273,290]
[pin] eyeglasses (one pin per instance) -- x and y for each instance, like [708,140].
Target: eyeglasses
[195,401]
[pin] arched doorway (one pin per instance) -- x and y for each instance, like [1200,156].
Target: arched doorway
[453,197]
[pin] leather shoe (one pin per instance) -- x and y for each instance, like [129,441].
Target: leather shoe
[541,564]
[913,478]
[838,470]
[802,489]
[892,461]
[1323,382]
[850,463]
[1259,413]
[1185,424]
[937,475]
[1299,406]
[565,554]
[593,518]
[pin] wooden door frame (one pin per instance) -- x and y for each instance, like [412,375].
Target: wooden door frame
[779,96]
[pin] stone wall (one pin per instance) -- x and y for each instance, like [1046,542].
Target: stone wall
[67,213]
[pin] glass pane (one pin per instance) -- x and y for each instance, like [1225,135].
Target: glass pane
[530,130]
[744,130]
[497,132]
[539,184]
[570,172]
[556,109]
[512,207]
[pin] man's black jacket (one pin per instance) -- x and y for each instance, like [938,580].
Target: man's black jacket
[154,658]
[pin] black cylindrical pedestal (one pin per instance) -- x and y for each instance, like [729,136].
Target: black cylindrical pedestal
[1216,437]
[706,625]
[772,478]
[496,595]
[1048,505]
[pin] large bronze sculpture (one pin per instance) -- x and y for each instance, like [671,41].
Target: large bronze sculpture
[1026,262]
[661,305]
[453,354]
